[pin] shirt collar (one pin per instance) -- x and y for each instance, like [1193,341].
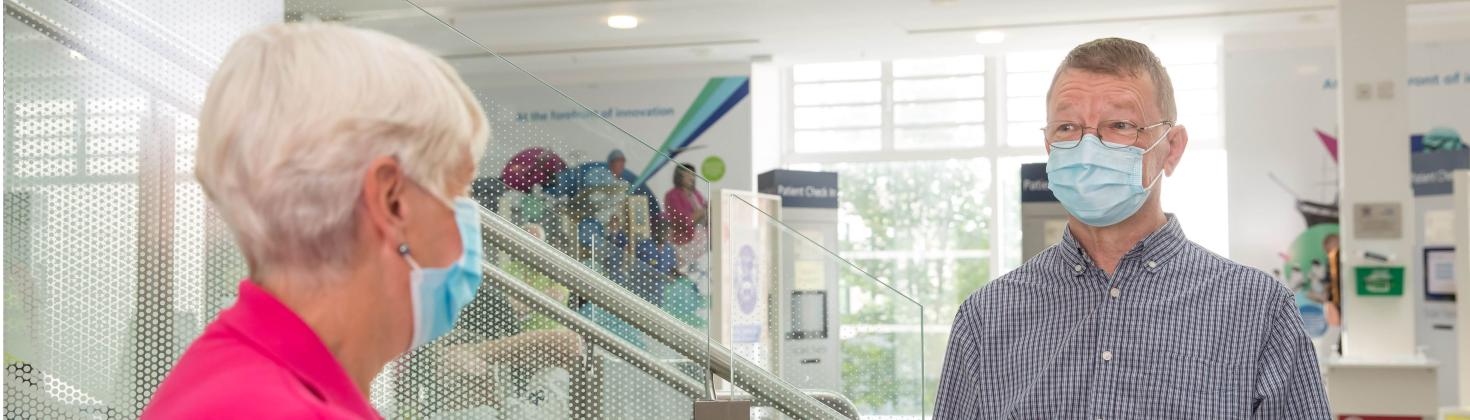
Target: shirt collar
[1155,249]
[264,321]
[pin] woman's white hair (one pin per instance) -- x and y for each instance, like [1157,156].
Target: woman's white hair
[292,119]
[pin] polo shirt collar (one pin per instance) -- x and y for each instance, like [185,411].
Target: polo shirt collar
[259,318]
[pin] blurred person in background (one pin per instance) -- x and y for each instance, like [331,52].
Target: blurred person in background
[687,210]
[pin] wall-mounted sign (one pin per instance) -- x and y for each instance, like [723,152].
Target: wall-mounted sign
[1431,171]
[1380,280]
[816,190]
[1378,221]
[1034,187]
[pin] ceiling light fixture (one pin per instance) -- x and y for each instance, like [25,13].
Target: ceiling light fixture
[622,22]
[990,37]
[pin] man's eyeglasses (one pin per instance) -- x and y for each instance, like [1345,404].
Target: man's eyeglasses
[1116,134]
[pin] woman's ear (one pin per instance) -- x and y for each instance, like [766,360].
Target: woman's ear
[382,196]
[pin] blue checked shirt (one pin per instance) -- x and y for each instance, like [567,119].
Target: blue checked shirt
[1176,332]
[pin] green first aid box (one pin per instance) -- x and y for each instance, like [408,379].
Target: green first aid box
[1380,280]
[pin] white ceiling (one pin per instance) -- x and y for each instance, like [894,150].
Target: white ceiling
[546,35]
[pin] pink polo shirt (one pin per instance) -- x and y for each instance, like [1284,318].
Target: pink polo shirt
[258,360]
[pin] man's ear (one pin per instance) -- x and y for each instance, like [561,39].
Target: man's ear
[382,198]
[1178,139]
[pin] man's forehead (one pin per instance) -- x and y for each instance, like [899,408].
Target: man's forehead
[1110,99]
[1074,86]
[1080,76]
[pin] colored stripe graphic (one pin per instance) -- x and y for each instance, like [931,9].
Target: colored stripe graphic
[719,95]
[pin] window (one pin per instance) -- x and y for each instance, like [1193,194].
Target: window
[922,227]
[870,106]
[837,107]
[1028,77]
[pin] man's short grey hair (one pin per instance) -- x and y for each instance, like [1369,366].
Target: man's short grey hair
[1123,58]
[294,116]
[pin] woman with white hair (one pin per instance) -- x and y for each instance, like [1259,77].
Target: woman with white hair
[341,160]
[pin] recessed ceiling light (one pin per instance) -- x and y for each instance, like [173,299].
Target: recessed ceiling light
[622,21]
[990,37]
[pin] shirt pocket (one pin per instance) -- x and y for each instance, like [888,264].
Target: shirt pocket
[1191,386]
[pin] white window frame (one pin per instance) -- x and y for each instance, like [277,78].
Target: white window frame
[993,149]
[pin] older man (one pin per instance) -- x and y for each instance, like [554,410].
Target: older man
[1125,317]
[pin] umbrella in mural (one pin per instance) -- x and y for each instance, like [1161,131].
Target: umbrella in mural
[530,167]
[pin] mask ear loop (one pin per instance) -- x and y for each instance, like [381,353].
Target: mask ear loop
[1160,175]
[1159,140]
[1157,177]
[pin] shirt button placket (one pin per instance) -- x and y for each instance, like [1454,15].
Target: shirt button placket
[1104,378]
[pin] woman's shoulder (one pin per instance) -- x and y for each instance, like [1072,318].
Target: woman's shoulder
[222,375]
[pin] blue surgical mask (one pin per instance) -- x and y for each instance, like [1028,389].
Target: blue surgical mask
[440,293]
[1097,184]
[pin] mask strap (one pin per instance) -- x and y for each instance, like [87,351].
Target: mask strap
[1157,177]
[1161,138]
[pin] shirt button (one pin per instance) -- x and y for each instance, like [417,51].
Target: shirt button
[1153,264]
[1077,268]
[1115,293]
[1107,355]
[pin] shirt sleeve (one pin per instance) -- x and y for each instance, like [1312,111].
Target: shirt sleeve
[1289,382]
[957,396]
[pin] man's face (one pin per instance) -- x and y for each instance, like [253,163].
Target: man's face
[616,166]
[1090,98]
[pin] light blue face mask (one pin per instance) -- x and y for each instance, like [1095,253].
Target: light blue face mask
[440,293]
[1097,184]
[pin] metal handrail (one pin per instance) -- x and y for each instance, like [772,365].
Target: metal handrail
[661,369]
[70,39]
[151,35]
[591,331]
[687,341]
[837,401]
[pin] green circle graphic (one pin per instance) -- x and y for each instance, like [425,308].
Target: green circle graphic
[713,168]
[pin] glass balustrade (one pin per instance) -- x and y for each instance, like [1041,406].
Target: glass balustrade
[114,261]
[792,307]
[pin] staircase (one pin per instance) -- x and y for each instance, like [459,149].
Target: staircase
[587,311]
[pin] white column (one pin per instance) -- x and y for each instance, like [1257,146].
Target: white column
[766,115]
[1373,164]
[1462,278]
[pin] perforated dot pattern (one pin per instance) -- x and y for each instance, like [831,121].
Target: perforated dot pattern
[114,260]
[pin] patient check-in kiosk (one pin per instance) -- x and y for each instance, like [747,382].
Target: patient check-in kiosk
[1434,219]
[807,296]
[1043,220]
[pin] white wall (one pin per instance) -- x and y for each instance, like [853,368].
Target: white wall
[628,88]
[1276,94]
[1273,99]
